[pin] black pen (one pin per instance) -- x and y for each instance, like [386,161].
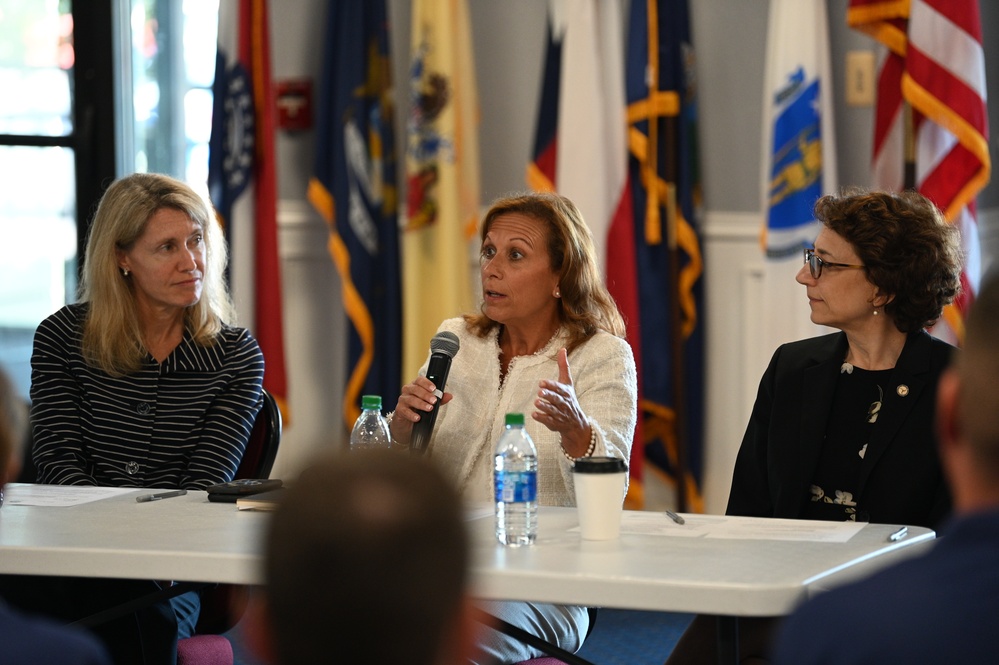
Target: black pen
[144,498]
[899,535]
[673,516]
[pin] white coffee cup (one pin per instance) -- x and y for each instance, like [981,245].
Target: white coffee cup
[599,485]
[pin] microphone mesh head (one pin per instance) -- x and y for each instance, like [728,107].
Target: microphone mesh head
[445,342]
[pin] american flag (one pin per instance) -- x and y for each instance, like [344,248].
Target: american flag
[934,66]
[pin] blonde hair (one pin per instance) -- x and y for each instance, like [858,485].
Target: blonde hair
[586,306]
[112,339]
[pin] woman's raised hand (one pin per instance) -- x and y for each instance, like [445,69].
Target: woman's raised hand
[559,410]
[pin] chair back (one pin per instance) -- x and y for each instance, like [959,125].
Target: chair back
[265,438]
[223,605]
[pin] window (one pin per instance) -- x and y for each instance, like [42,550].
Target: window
[93,89]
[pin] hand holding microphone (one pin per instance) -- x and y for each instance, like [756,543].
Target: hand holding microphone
[421,399]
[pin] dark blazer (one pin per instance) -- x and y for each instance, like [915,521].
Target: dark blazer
[901,479]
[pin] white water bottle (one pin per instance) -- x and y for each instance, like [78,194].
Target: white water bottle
[515,475]
[371,429]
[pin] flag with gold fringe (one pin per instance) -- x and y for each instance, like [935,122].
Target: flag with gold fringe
[582,97]
[663,173]
[931,121]
[353,187]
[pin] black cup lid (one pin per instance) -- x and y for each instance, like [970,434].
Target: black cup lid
[600,465]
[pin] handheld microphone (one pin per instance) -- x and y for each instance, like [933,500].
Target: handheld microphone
[442,349]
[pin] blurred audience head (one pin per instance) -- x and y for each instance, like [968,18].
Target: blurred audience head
[367,559]
[968,407]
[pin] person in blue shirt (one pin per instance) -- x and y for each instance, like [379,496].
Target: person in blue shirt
[942,607]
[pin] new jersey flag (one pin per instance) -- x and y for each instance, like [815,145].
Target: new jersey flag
[241,178]
[353,188]
[440,252]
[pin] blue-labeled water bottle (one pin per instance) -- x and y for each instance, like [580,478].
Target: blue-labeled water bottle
[515,474]
[371,429]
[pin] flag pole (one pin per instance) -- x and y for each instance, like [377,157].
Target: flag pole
[909,139]
[665,126]
[670,172]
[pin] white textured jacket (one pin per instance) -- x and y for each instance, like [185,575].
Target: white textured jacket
[468,427]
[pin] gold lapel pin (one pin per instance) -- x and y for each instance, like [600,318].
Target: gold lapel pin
[902,390]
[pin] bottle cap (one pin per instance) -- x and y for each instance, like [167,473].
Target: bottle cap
[371,401]
[514,419]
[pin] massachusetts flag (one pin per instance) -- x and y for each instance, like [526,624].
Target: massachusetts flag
[241,178]
[799,161]
[931,124]
[353,188]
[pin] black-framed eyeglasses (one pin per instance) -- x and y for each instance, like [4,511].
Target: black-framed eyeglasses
[815,264]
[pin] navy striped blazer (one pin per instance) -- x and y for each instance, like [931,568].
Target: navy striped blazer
[182,423]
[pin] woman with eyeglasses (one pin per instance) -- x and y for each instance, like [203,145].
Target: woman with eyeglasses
[842,428]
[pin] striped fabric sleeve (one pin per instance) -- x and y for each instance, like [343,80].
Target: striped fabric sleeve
[56,402]
[183,423]
[230,417]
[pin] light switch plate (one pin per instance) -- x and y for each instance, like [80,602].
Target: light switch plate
[860,81]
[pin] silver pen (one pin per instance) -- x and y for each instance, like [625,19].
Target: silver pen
[899,535]
[144,498]
[673,516]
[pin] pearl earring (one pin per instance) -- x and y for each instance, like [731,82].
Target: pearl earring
[875,311]
[125,272]
[558,294]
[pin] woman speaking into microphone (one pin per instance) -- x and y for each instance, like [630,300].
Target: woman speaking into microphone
[548,342]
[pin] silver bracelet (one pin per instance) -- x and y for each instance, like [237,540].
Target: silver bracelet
[589,451]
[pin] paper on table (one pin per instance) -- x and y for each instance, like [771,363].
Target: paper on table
[478,511]
[59,495]
[720,526]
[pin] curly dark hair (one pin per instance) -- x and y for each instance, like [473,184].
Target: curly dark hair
[907,247]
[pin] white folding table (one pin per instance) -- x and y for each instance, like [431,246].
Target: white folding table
[188,538]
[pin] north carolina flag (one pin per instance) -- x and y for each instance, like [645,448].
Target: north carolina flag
[662,117]
[353,187]
[241,178]
[582,97]
[799,161]
[440,254]
[934,72]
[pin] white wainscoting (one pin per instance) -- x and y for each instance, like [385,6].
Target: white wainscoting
[735,357]
[315,353]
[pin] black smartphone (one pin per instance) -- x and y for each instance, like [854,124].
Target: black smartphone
[229,492]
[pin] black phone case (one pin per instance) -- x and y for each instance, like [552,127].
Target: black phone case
[229,492]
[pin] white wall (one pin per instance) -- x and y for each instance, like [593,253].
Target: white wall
[729,38]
